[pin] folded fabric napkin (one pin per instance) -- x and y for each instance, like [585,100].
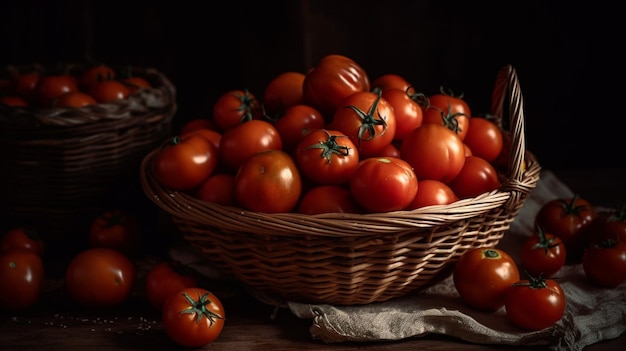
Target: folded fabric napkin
[592,314]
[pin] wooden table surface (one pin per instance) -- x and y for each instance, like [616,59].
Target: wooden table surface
[57,324]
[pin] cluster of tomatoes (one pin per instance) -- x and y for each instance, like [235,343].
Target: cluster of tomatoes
[71,87]
[329,141]
[104,275]
[566,230]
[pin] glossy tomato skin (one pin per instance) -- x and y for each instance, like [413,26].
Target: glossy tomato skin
[450,111]
[567,218]
[483,275]
[327,157]
[241,142]
[476,177]
[115,229]
[25,85]
[432,192]
[296,122]
[23,238]
[408,112]
[434,152]
[369,120]
[74,99]
[268,181]
[604,263]
[219,189]
[484,138]
[328,199]
[383,184]
[184,163]
[109,91]
[235,107]
[50,87]
[282,92]
[100,277]
[392,81]
[543,254]
[165,279]
[193,317]
[21,279]
[328,84]
[535,304]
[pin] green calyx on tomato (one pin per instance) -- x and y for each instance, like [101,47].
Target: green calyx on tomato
[330,147]
[489,253]
[249,105]
[570,208]
[533,282]
[369,118]
[543,242]
[198,307]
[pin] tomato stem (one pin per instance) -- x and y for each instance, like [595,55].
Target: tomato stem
[369,118]
[330,147]
[198,307]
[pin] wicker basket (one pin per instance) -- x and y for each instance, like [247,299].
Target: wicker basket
[350,259]
[59,163]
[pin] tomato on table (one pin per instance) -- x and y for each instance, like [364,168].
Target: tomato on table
[184,163]
[193,317]
[535,304]
[567,218]
[477,176]
[327,157]
[434,152]
[543,254]
[604,263]
[21,279]
[23,238]
[115,229]
[482,277]
[268,181]
[383,184]
[165,279]
[331,81]
[369,120]
[100,277]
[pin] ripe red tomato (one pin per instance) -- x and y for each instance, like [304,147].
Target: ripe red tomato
[23,238]
[268,181]
[211,135]
[449,110]
[109,91]
[246,139]
[327,157]
[25,85]
[567,219]
[198,123]
[165,279]
[434,151]
[484,138]
[392,81]
[535,304]
[608,224]
[236,107]
[219,189]
[369,120]
[476,177]
[21,279]
[115,229]
[390,150]
[432,192]
[74,99]
[604,263]
[50,87]
[184,163]
[407,111]
[296,122]
[282,92]
[327,199]
[100,277]
[93,75]
[328,84]
[193,317]
[543,254]
[482,277]
[383,184]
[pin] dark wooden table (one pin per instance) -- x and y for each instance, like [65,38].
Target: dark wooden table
[57,324]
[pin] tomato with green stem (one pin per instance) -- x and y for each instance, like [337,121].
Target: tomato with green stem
[604,263]
[193,317]
[236,107]
[535,304]
[449,110]
[543,253]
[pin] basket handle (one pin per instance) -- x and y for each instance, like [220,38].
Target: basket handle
[507,86]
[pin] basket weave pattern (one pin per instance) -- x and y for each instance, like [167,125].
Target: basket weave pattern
[351,259]
[60,161]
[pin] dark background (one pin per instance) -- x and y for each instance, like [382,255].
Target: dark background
[568,57]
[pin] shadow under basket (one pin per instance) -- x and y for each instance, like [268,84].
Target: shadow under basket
[61,164]
[353,259]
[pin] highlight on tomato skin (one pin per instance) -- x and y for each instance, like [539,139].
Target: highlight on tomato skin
[535,303]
